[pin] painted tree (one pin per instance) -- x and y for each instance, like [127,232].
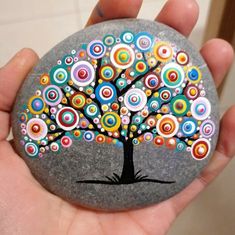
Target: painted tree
[121,90]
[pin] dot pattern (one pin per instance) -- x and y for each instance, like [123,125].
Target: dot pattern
[132,87]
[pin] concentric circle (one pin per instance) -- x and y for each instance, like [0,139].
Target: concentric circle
[122,56]
[67,118]
[106,93]
[207,129]
[78,100]
[91,110]
[107,72]
[59,76]
[182,58]
[31,150]
[109,40]
[188,127]
[172,75]
[66,141]
[141,67]
[135,99]
[154,104]
[200,149]
[201,108]
[194,75]
[36,129]
[179,105]
[143,41]
[36,105]
[152,81]
[52,95]
[167,126]
[96,49]
[191,92]
[163,52]
[82,73]
[89,136]
[110,121]
[165,94]
[127,37]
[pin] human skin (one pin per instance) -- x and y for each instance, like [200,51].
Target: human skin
[27,208]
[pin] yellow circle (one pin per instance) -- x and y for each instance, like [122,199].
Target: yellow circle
[110,127]
[163,51]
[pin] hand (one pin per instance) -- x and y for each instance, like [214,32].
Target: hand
[27,208]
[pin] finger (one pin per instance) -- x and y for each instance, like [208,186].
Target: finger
[218,55]
[12,76]
[115,9]
[224,152]
[181,15]
[4,125]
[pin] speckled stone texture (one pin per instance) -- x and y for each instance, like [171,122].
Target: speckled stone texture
[59,171]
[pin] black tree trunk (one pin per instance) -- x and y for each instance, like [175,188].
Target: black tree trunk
[128,170]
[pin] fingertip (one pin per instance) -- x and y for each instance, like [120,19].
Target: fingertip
[181,15]
[115,9]
[219,56]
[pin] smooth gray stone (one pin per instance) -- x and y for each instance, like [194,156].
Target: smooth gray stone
[93,174]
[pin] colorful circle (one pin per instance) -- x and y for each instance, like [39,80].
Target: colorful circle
[152,81]
[91,110]
[54,147]
[201,108]
[200,149]
[141,67]
[207,129]
[122,56]
[107,72]
[66,141]
[67,118]
[78,100]
[82,73]
[96,49]
[105,93]
[52,95]
[110,121]
[143,41]
[59,76]
[127,37]
[36,129]
[194,75]
[100,138]
[31,149]
[188,127]
[163,51]
[172,75]
[154,104]
[182,58]
[179,105]
[135,99]
[165,94]
[45,79]
[167,126]
[109,40]
[121,83]
[36,105]
[191,92]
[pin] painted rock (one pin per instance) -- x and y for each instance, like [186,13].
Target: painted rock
[120,115]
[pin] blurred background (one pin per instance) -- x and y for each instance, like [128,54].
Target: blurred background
[42,24]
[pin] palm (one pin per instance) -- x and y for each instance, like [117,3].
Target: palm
[34,208]
[27,208]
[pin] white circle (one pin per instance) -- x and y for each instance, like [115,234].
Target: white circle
[139,93]
[201,103]
[132,56]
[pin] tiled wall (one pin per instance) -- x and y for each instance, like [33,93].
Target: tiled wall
[41,24]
